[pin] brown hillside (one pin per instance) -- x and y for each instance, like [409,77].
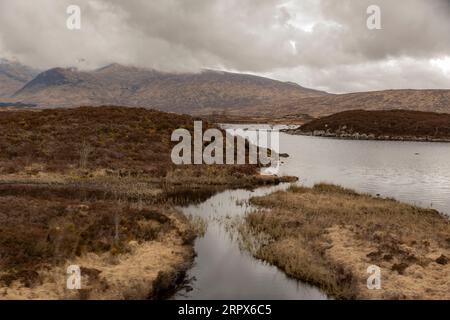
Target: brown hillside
[111,141]
[112,138]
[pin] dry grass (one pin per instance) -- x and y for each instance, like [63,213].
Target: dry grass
[47,230]
[147,271]
[328,236]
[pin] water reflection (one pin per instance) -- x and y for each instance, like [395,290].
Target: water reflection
[223,271]
[414,172]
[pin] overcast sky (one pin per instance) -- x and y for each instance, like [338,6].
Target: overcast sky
[323,44]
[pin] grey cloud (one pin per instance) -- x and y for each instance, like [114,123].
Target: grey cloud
[414,28]
[249,36]
[391,74]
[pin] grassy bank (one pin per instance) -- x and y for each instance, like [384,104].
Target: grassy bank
[121,247]
[329,236]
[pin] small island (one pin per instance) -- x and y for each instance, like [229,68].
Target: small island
[395,125]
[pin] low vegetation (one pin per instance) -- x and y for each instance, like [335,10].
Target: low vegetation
[44,232]
[329,236]
[95,187]
[386,125]
[128,139]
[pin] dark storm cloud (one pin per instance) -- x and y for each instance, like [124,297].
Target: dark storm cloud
[322,43]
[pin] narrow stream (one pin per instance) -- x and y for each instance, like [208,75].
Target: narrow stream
[222,270]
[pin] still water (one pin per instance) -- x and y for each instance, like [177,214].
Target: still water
[222,271]
[414,172]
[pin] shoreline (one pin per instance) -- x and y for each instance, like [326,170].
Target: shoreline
[364,137]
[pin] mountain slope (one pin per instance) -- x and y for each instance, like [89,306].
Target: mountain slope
[13,76]
[417,100]
[202,92]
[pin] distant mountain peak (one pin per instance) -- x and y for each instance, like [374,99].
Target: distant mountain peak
[59,71]
[53,77]
[9,62]
[117,67]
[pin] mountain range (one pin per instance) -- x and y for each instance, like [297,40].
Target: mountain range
[201,93]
